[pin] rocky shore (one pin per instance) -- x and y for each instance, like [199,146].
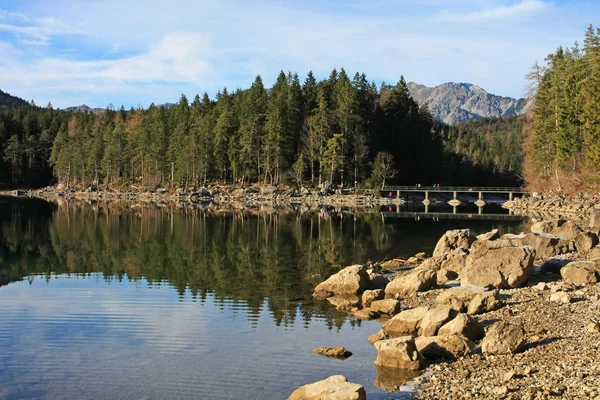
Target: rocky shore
[544,206]
[233,196]
[510,317]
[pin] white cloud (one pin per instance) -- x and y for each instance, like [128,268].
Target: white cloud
[34,31]
[523,7]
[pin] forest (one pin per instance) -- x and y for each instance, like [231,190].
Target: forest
[564,147]
[347,132]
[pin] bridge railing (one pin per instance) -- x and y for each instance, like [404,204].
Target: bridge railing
[424,188]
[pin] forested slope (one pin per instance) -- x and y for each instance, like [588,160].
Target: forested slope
[341,130]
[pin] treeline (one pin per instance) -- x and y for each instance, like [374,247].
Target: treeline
[337,130]
[565,144]
[332,130]
[487,151]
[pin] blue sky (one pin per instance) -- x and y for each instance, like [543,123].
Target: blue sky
[135,52]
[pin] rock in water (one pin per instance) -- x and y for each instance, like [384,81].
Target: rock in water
[398,353]
[335,352]
[450,347]
[582,272]
[369,296]
[491,266]
[503,338]
[389,306]
[463,324]
[412,283]
[350,280]
[335,387]
[407,322]
[452,240]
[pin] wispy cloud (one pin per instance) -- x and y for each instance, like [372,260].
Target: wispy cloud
[522,7]
[34,31]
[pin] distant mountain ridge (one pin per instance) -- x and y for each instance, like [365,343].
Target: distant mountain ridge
[449,102]
[9,101]
[454,102]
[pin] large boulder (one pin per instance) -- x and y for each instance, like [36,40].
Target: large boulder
[344,302]
[454,239]
[455,260]
[463,324]
[369,296]
[569,231]
[582,272]
[398,353]
[416,281]
[432,263]
[547,245]
[485,302]
[434,319]
[388,306]
[594,254]
[492,266]
[585,241]
[450,347]
[351,280]
[546,226]
[377,280]
[491,235]
[335,387]
[406,323]
[503,338]
[458,298]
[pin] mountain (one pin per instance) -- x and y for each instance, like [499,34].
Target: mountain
[8,101]
[454,102]
[85,109]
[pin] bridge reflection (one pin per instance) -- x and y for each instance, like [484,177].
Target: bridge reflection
[436,216]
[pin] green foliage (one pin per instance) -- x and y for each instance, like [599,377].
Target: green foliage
[254,135]
[566,134]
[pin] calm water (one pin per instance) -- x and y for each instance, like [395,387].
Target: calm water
[130,303]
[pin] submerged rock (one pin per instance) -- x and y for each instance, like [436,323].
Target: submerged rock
[335,352]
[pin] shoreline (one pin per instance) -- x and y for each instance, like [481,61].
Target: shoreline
[554,310]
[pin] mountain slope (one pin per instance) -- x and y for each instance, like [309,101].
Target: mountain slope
[8,101]
[454,102]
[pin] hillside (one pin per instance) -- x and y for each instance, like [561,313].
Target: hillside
[454,102]
[8,101]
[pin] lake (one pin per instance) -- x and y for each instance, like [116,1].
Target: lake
[119,302]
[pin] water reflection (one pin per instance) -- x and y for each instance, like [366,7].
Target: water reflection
[108,301]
